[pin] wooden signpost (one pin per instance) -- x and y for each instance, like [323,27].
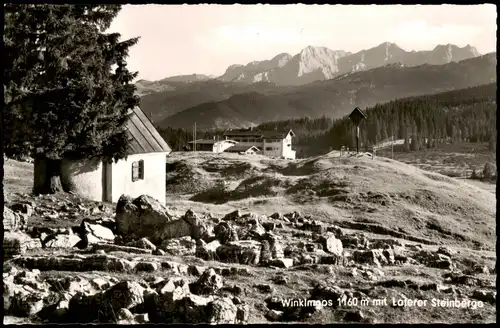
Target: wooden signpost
[357,116]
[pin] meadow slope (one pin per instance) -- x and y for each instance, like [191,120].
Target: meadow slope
[332,189]
[323,228]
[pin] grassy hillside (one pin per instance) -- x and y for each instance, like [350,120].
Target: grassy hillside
[374,206]
[172,97]
[396,196]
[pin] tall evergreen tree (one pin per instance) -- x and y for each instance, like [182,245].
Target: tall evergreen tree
[68,88]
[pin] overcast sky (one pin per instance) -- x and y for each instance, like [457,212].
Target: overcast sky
[206,39]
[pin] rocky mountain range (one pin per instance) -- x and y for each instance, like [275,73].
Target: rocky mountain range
[320,63]
[218,104]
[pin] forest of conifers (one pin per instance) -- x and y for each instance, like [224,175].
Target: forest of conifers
[460,115]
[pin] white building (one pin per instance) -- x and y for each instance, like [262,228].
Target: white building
[276,144]
[142,172]
[244,149]
[212,145]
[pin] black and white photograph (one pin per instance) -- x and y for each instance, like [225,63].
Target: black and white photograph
[249,164]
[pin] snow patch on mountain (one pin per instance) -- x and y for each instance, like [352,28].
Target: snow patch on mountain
[264,76]
[388,54]
[448,57]
[358,67]
[282,59]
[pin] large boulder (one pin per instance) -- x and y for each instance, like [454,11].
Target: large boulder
[146,217]
[141,217]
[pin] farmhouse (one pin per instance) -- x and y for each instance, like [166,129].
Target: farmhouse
[270,143]
[212,145]
[142,172]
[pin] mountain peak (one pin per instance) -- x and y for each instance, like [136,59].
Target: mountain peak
[472,50]
[319,63]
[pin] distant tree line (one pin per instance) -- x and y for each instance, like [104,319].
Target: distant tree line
[456,116]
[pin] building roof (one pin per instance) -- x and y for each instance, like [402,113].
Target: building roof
[203,142]
[241,148]
[210,141]
[144,137]
[259,134]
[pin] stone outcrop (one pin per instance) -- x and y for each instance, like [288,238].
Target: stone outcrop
[146,217]
[13,221]
[243,252]
[17,242]
[141,217]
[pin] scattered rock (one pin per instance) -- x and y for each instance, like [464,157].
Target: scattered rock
[354,316]
[147,266]
[269,226]
[265,252]
[62,241]
[116,248]
[232,216]
[280,280]
[485,296]
[98,232]
[256,232]
[100,283]
[141,318]
[17,242]
[243,252]
[276,247]
[143,243]
[281,263]
[222,311]
[124,314]
[264,288]
[179,246]
[208,283]
[13,221]
[446,251]
[275,315]
[373,256]
[207,252]
[225,233]
[159,252]
[355,241]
